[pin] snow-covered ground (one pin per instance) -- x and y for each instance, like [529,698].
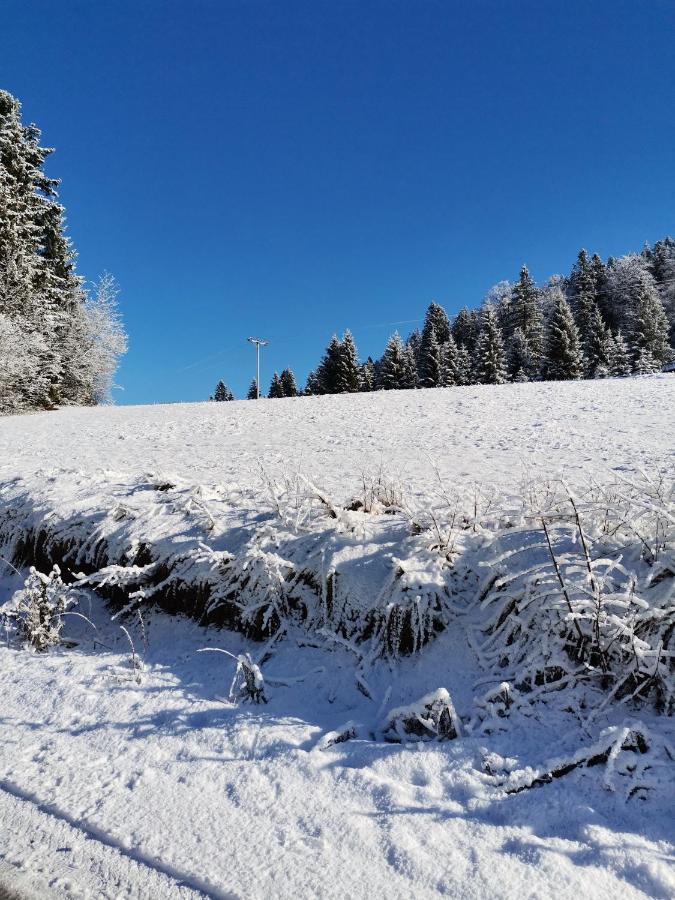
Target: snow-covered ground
[117,781]
[483,433]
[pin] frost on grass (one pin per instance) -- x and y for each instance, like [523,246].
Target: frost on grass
[564,598]
[582,599]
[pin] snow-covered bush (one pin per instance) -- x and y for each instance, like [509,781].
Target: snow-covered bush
[432,717]
[248,684]
[635,760]
[39,609]
[590,603]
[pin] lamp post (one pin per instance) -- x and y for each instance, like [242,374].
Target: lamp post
[259,342]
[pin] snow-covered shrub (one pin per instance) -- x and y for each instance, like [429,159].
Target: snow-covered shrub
[410,608]
[248,683]
[590,603]
[432,717]
[347,732]
[39,609]
[492,709]
[634,758]
[380,493]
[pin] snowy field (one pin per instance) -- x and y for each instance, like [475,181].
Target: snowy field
[483,433]
[135,775]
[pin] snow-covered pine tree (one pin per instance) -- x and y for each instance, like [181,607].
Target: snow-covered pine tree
[465,328]
[348,374]
[414,341]
[519,356]
[661,262]
[490,357]
[69,348]
[602,298]
[527,316]
[499,296]
[648,327]
[623,277]
[328,370]
[465,369]
[410,377]
[24,192]
[288,383]
[436,316]
[618,355]
[222,393]
[430,358]
[563,360]
[450,373]
[596,362]
[312,385]
[252,393]
[393,364]
[367,376]
[646,363]
[276,390]
[582,285]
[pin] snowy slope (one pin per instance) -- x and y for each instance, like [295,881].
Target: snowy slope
[117,783]
[481,433]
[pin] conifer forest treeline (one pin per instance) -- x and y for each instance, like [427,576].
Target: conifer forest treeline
[604,319]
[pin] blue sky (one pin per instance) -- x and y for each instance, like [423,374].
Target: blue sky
[291,169]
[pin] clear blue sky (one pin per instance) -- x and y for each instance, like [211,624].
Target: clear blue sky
[290,169]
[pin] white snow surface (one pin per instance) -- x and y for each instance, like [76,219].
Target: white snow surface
[116,782]
[496,434]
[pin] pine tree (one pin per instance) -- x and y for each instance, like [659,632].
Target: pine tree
[646,363]
[220,393]
[602,298]
[583,297]
[392,364]
[519,357]
[414,342]
[500,296]
[367,376]
[252,391]
[618,356]
[348,375]
[527,316]
[648,327]
[465,368]
[430,358]
[410,376]
[288,383]
[490,356]
[436,316]
[276,390]
[65,332]
[465,328]
[563,360]
[596,362]
[450,374]
[312,385]
[328,371]
[661,263]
